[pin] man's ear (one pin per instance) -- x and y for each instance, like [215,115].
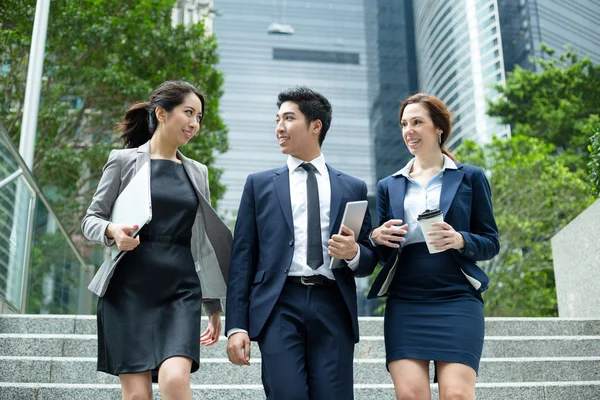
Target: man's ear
[317,125]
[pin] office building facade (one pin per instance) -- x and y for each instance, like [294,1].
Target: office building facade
[392,76]
[188,12]
[260,56]
[526,24]
[460,59]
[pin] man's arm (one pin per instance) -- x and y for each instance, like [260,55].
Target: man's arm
[243,262]
[367,259]
[241,270]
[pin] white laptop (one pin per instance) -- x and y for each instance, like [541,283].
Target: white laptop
[354,213]
[133,206]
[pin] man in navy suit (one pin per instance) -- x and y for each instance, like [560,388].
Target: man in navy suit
[281,292]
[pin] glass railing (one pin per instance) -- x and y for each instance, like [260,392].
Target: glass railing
[41,270]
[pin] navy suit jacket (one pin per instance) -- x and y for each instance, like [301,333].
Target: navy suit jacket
[466,203]
[263,247]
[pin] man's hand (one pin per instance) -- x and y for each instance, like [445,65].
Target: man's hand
[238,348]
[343,246]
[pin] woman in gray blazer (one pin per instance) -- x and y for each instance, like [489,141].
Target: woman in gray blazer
[149,305]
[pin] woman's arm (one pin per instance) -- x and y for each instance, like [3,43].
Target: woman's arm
[481,242]
[387,236]
[97,216]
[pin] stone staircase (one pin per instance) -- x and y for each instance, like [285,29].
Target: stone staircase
[45,357]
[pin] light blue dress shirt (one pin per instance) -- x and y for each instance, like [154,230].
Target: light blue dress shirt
[418,199]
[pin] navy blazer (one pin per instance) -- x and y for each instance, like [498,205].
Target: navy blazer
[263,247]
[466,203]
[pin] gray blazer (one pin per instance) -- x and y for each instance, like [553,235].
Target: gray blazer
[211,239]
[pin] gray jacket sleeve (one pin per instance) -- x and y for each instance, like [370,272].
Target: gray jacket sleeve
[97,216]
[211,306]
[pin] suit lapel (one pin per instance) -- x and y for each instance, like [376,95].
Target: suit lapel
[450,183]
[143,156]
[397,191]
[281,181]
[194,176]
[337,194]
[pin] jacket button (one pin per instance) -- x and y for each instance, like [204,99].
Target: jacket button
[291,242]
[286,271]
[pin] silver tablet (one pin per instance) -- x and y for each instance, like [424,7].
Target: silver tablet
[353,217]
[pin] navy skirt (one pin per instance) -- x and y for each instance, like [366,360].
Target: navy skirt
[432,311]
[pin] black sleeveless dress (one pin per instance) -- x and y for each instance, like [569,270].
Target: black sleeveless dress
[152,307]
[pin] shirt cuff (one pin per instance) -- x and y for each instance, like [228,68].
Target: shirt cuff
[371,240]
[353,264]
[235,330]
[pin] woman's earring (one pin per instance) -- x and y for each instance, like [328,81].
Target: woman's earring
[440,139]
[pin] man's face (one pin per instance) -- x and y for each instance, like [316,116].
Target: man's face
[295,136]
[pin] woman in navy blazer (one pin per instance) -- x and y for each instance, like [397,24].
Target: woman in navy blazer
[434,309]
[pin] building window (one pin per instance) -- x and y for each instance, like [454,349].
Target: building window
[336,57]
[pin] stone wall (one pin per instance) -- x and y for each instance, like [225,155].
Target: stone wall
[576,253]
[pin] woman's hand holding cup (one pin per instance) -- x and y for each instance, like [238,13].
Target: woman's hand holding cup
[445,237]
[387,234]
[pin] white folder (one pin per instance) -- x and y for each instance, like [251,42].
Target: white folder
[133,206]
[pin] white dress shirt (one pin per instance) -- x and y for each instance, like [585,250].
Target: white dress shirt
[298,198]
[418,199]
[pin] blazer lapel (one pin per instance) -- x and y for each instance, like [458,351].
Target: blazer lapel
[337,194]
[397,191]
[194,176]
[450,183]
[143,156]
[281,181]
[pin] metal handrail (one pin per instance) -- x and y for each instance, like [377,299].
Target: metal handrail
[10,178]
[32,184]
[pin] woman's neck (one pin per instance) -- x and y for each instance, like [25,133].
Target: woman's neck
[426,162]
[161,148]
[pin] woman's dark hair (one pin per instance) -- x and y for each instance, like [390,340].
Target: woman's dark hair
[439,114]
[312,104]
[140,122]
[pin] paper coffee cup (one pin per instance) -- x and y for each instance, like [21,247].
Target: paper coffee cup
[425,219]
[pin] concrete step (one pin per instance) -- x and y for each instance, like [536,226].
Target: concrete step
[83,370]
[370,347]
[485,391]
[369,326]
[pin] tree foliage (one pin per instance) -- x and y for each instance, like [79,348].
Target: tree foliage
[534,195]
[559,103]
[100,57]
[594,163]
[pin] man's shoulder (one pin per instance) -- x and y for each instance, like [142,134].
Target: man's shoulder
[349,178]
[267,174]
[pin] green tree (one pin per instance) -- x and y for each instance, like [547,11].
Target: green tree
[100,57]
[560,103]
[594,163]
[534,195]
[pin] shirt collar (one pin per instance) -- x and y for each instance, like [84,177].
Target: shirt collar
[448,164]
[293,163]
